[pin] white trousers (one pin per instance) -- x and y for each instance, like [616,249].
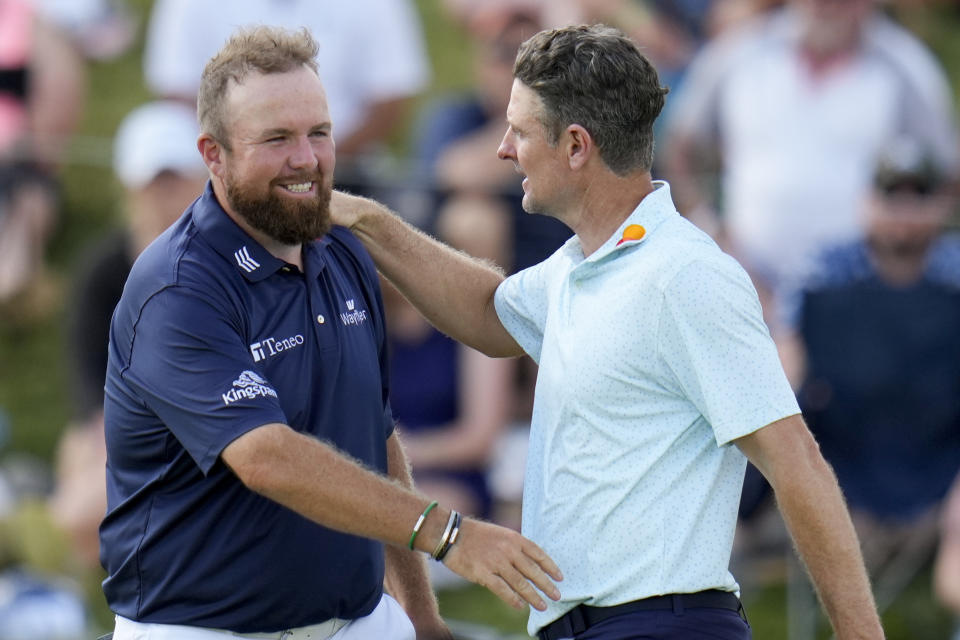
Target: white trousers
[388,621]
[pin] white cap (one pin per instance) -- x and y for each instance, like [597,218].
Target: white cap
[156,137]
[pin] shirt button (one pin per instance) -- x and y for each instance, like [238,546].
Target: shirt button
[321,319]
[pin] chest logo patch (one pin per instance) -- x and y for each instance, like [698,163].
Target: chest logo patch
[269,347]
[353,316]
[633,233]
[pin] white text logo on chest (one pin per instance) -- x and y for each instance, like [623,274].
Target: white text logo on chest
[269,347]
[353,316]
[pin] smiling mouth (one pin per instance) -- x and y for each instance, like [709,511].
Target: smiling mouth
[300,187]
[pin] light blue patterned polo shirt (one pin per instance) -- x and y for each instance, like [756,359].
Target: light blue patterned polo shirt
[653,356]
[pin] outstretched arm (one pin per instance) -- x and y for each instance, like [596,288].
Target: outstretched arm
[324,485]
[452,290]
[817,518]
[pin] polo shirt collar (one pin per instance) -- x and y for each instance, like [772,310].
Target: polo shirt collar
[654,209]
[235,245]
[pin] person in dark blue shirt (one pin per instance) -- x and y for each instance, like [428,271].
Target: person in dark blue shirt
[873,349]
[879,350]
[252,470]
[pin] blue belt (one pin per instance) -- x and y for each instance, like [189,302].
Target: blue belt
[582,617]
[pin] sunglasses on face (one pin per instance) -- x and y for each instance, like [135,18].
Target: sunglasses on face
[907,187]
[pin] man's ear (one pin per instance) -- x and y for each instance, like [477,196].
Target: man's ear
[579,146]
[212,153]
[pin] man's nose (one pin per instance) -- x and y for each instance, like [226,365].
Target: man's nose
[505,151]
[302,155]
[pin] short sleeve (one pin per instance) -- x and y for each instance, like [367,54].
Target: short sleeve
[521,301]
[190,367]
[714,343]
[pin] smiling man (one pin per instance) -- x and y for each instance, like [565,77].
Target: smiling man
[252,470]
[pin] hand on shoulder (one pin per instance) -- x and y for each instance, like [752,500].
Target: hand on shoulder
[347,209]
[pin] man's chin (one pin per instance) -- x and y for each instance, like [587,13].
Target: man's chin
[289,221]
[530,205]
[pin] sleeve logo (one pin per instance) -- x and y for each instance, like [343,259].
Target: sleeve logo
[248,386]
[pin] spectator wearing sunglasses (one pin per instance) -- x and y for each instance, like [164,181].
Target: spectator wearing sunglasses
[874,352]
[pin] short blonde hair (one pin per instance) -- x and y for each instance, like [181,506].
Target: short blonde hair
[260,49]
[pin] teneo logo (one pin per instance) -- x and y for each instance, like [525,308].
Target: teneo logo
[353,315]
[248,386]
[269,347]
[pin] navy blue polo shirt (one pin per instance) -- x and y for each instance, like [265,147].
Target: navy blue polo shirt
[213,337]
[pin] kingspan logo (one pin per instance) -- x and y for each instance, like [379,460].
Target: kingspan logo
[248,386]
[353,315]
[269,347]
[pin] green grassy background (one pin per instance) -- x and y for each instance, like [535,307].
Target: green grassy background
[32,376]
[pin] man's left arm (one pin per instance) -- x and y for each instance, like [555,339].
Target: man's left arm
[406,577]
[816,516]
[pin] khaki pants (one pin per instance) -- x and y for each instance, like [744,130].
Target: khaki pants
[387,621]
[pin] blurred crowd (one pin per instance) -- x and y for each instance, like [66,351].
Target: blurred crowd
[815,140]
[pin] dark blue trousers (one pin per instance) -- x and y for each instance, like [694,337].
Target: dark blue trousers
[689,624]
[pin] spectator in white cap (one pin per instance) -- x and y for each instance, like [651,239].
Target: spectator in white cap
[157,163]
[155,157]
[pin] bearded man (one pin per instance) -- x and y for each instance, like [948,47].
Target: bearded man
[253,475]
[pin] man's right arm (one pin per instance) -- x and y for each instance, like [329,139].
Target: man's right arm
[816,516]
[452,290]
[324,485]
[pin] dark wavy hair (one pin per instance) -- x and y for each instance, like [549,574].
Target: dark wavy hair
[595,76]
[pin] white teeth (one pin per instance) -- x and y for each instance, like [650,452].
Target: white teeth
[303,187]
